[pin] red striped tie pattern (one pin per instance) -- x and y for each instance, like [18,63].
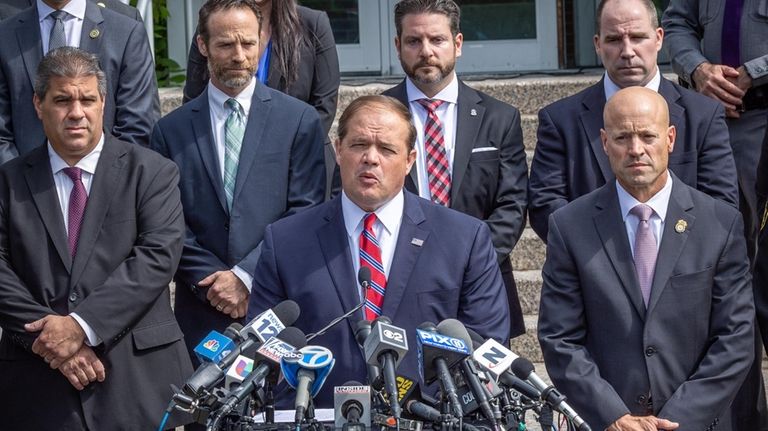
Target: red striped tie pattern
[438,169]
[370,256]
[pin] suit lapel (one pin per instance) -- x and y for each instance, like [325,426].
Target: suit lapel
[592,122]
[252,138]
[109,171]
[406,254]
[400,93]
[43,191]
[676,111]
[333,242]
[93,31]
[613,235]
[469,117]
[30,42]
[672,242]
[201,126]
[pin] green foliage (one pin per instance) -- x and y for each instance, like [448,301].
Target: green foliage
[168,72]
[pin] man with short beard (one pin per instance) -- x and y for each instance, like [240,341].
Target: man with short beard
[470,154]
[248,155]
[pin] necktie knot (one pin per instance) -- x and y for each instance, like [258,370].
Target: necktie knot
[233,105]
[430,105]
[58,15]
[642,211]
[75,174]
[369,221]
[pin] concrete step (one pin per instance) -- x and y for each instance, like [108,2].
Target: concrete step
[529,290]
[527,345]
[529,253]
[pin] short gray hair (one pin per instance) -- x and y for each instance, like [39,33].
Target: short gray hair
[68,62]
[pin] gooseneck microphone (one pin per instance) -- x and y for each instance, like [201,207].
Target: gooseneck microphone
[438,354]
[386,347]
[364,278]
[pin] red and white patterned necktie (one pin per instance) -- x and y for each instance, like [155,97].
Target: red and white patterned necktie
[370,256]
[438,168]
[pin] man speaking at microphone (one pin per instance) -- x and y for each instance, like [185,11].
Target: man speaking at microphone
[427,262]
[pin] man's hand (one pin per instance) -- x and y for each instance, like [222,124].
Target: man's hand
[642,423]
[719,82]
[83,368]
[227,293]
[60,337]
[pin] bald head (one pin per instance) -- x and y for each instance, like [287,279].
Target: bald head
[637,138]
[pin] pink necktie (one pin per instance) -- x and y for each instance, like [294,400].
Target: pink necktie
[438,169]
[77,201]
[645,250]
[370,256]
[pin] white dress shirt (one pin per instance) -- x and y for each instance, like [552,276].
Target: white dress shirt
[611,88]
[659,203]
[447,115]
[387,228]
[219,113]
[64,186]
[73,22]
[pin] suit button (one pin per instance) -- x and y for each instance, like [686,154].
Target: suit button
[226,226]
[641,399]
[72,297]
[650,351]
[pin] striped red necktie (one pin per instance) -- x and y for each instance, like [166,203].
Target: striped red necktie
[370,256]
[438,169]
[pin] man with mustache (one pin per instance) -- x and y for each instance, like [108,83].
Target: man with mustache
[427,262]
[647,318]
[248,155]
[569,160]
[469,146]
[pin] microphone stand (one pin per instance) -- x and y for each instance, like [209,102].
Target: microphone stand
[364,276]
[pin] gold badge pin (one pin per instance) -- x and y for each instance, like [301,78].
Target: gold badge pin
[94,33]
[101,4]
[680,226]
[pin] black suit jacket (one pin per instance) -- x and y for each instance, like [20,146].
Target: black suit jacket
[686,355]
[129,246]
[488,185]
[132,104]
[569,160]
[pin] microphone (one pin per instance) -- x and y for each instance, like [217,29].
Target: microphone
[493,357]
[456,329]
[437,354]
[524,369]
[364,278]
[307,375]
[211,373]
[352,406]
[240,369]
[386,346]
[362,331]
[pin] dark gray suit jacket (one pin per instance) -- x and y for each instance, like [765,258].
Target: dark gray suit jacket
[488,185]
[280,172]
[569,160]
[685,357]
[8,8]
[129,247]
[132,103]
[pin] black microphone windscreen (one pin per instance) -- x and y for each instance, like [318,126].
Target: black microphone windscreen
[476,338]
[364,276]
[454,328]
[353,383]
[428,326]
[287,311]
[362,330]
[383,319]
[233,331]
[293,336]
[522,368]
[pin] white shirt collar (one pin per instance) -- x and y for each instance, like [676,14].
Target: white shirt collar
[611,88]
[388,214]
[658,202]
[217,98]
[87,163]
[448,94]
[75,8]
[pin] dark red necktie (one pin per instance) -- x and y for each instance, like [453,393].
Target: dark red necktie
[438,168]
[370,256]
[78,198]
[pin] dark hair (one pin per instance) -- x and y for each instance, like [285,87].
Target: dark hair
[448,8]
[68,62]
[211,6]
[377,101]
[288,37]
[653,15]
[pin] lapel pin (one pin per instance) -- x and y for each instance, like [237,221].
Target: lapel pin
[680,226]
[101,4]
[417,242]
[94,33]
[473,112]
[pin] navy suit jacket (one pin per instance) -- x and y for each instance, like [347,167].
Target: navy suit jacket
[489,185]
[683,357]
[450,273]
[280,172]
[569,160]
[132,105]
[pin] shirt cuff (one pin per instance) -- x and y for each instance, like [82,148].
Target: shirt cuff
[91,338]
[246,278]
